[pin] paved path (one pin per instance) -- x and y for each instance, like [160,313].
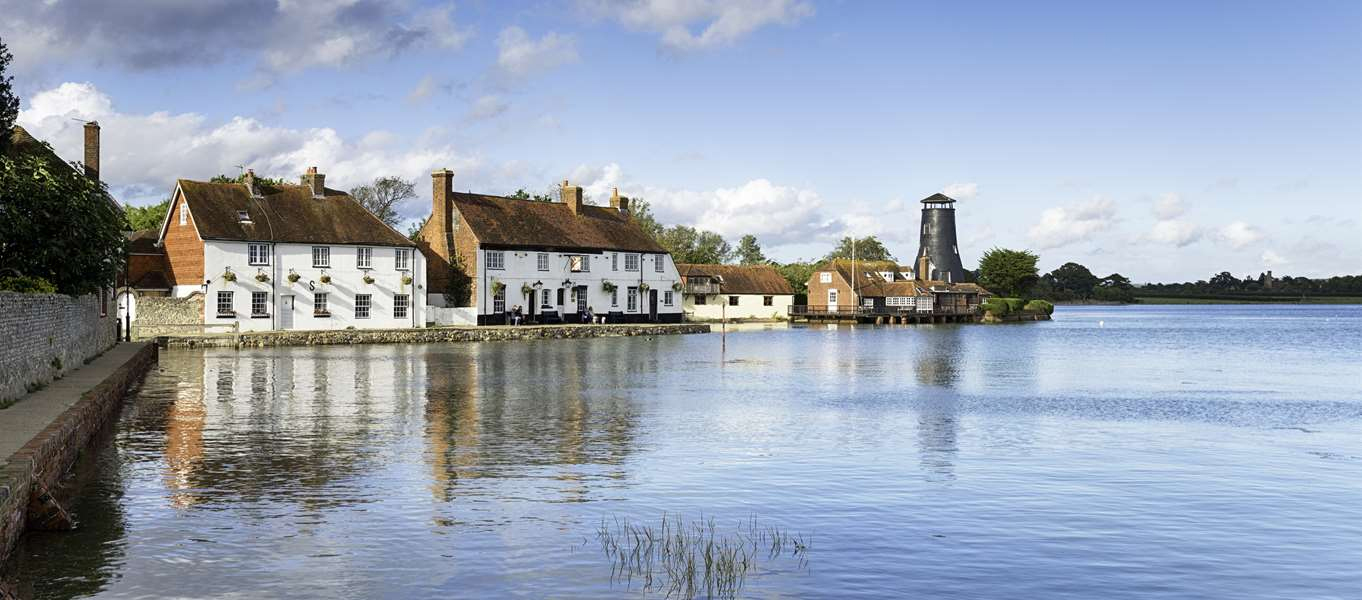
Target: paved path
[34,412]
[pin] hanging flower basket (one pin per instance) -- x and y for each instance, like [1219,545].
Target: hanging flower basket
[526,289]
[293,277]
[497,287]
[643,288]
[229,276]
[369,280]
[406,280]
[676,287]
[261,277]
[608,287]
[325,279]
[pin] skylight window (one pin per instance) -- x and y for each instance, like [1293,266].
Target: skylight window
[243,216]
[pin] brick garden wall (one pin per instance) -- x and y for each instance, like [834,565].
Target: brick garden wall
[43,336]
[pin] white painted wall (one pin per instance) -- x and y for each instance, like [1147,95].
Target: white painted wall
[750,306]
[440,315]
[522,267]
[346,283]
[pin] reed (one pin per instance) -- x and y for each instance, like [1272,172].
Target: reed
[686,559]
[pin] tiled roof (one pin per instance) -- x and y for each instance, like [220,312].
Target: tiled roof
[741,279]
[510,222]
[285,213]
[144,242]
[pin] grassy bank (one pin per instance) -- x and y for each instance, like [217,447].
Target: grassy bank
[1244,299]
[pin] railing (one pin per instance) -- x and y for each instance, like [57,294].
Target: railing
[848,311]
[702,288]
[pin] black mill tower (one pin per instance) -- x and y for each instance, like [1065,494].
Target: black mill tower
[938,254]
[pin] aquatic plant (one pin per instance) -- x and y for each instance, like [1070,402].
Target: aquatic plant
[681,559]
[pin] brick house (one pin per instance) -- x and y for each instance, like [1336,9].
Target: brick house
[555,260]
[876,287]
[302,256]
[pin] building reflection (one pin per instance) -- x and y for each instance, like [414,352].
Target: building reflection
[937,365]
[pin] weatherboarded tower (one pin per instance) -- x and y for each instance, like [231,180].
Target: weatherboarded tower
[938,254]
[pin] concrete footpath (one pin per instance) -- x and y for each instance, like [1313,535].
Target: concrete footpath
[43,433]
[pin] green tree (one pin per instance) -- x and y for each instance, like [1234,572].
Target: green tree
[59,225]
[749,251]
[9,103]
[1072,280]
[521,194]
[642,214]
[271,181]
[459,292]
[798,274]
[1008,272]
[414,231]
[867,248]
[691,245]
[384,196]
[147,217]
[1114,288]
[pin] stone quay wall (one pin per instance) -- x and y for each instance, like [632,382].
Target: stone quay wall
[427,335]
[164,315]
[43,336]
[40,464]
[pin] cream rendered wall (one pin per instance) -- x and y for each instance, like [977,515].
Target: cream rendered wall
[521,267]
[750,306]
[346,282]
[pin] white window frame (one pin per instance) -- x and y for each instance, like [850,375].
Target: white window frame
[321,257]
[402,260]
[401,305]
[631,299]
[660,263]
[231,307]
[631,259]
[364,305]
[364,258]
[496,260]
[499,301]
[614,261]
[258,254]
[615,297]
[542,261]
[825,278]
[579,263]
[184,213]
[546,298]
[666,297]
[261,300]
[321,300]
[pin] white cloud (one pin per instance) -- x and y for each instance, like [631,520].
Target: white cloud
[423,90]
[519,56]
[1176,232]
[962,191]
[1169,206]
[488,107]
[1239,234]
[143,154]
[719,22]
[1272,259]
[1064,225]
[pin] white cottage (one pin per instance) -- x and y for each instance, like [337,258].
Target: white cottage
[274,257]
[487,255]
[735,292]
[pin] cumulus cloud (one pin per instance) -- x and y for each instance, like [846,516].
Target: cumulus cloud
[1169,206]
[774,213]
[520,56]
[1176,232]
[1272,259]
[1239,234]
[1064,225]
[699,24]
[143,154]
[282,36]
[962,191]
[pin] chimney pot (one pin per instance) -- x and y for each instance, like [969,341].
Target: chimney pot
[618,202]
[572,197]
[91,150]
[316,181]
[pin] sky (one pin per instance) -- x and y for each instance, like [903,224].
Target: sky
[1166,141]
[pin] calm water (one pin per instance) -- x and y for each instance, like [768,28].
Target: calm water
[1133,452]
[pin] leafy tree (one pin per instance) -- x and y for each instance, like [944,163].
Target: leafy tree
[147,217]
[690,245]
[521,194]
[459,292]
[798,274]
[749,251]
[642,214]
[9,103]
[1072,280]
[1114,288]
[414,231]
[220,178]
[867,248]
[384,196]
[1008,272]
[59,225]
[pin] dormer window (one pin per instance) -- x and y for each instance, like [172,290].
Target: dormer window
[243,216]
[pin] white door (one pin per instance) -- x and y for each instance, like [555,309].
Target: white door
[286,312]
[832,300]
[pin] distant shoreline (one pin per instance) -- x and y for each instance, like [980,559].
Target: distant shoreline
[1210,299]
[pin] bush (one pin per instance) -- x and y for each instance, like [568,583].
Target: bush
[1040,306]
[997,306]
[1014,304]
[27,285]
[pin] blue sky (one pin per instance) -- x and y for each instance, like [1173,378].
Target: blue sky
[1165,141]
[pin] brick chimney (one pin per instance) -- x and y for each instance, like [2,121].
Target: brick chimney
[91,150]
[572,197]
[248,180]
[316,181]
[442,204]
[617,202]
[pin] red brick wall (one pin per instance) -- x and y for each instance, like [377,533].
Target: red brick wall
[818,291]
[183,248]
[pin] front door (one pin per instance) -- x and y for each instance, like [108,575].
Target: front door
[581,299]
[286,312]
[652,305]
[832,300]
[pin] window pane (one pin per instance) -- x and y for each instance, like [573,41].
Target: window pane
[401,302]
[319,304]
[362,303]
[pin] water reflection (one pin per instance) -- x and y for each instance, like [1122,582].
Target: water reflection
[938,364]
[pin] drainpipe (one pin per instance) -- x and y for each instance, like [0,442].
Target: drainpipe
[274,285]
